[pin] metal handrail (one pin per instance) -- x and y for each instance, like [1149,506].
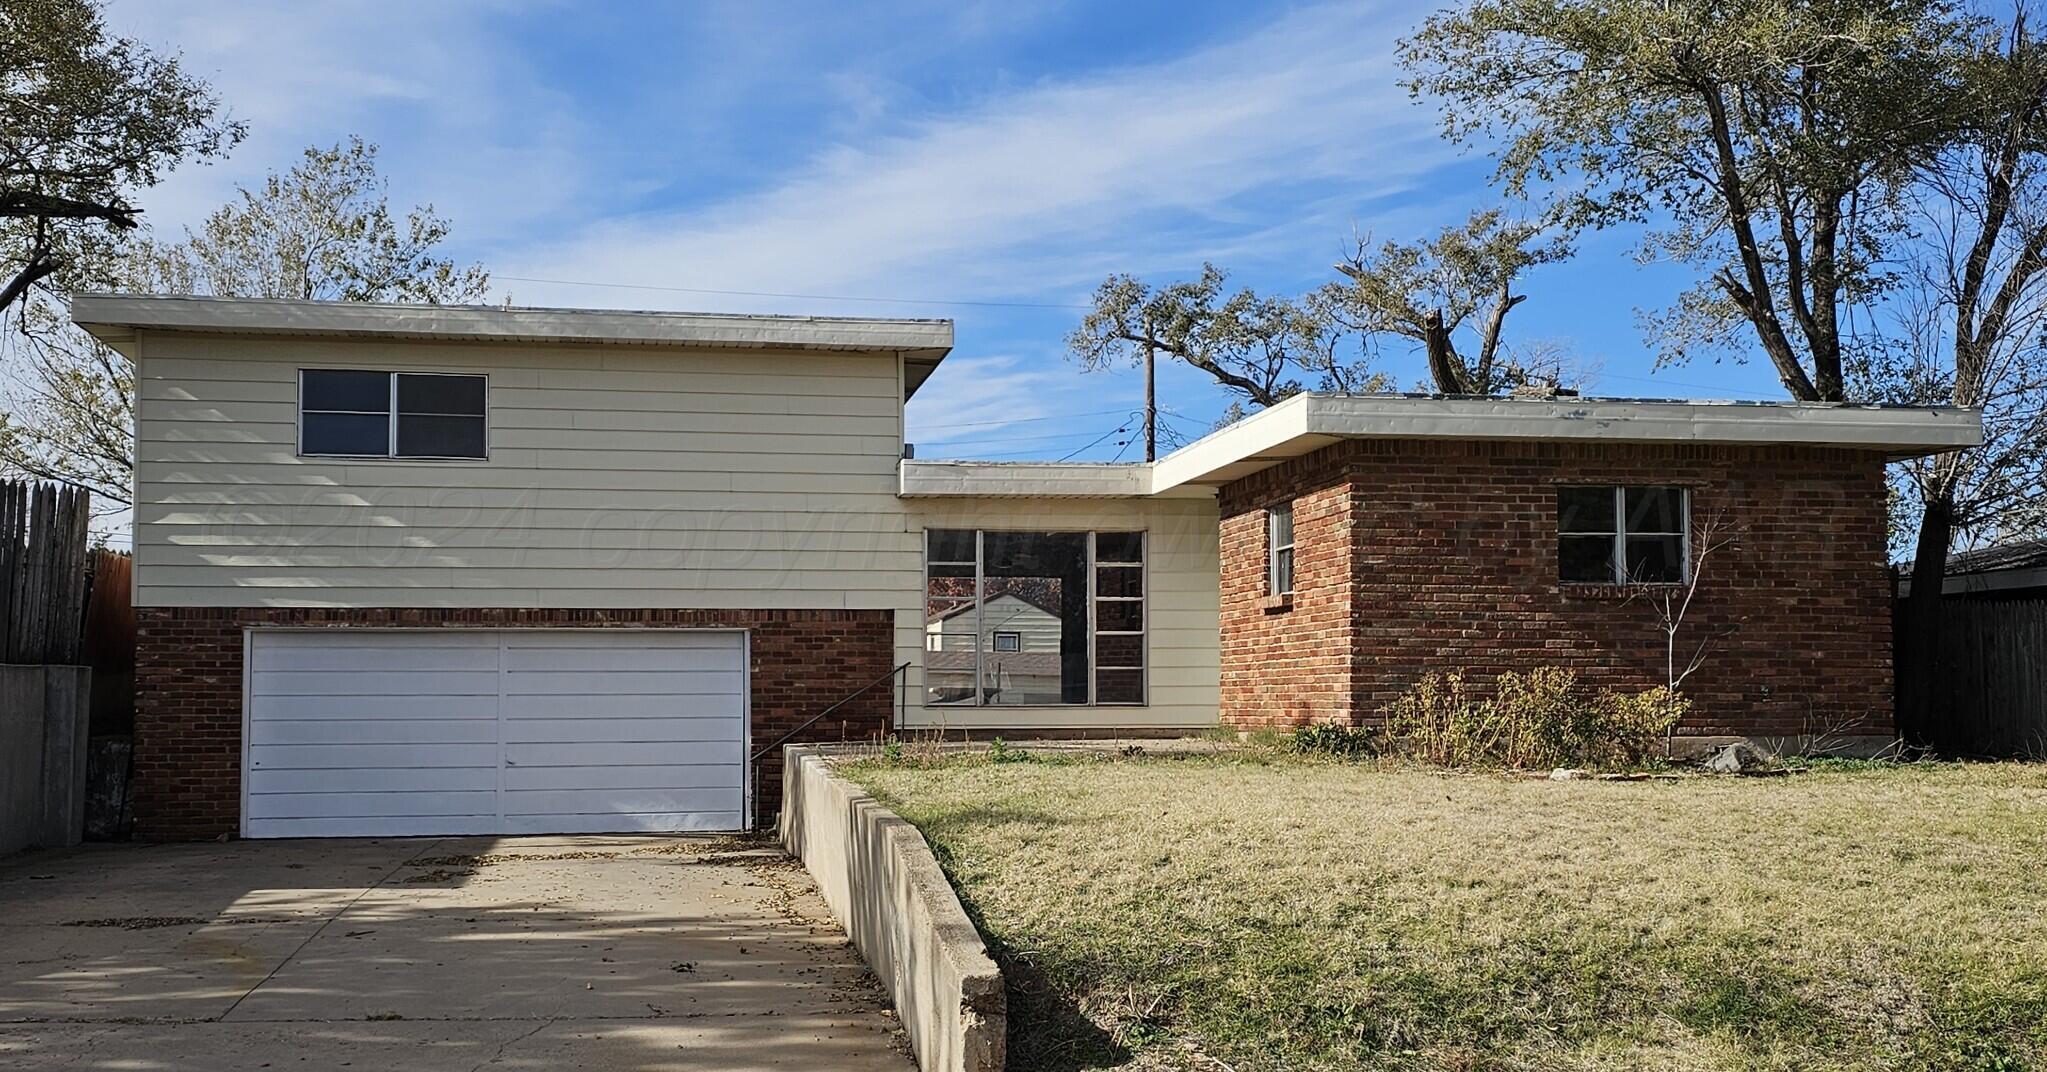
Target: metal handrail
[842,701]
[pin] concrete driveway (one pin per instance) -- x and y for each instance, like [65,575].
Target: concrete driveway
[456,953]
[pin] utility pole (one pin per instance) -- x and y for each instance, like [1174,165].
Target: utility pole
[1151,401]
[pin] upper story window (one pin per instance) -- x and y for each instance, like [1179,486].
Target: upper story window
[1622,535]
[352,413]
[1279,550]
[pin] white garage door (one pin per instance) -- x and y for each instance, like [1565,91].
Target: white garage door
[444,731]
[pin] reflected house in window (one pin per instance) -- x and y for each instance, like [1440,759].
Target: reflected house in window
[1020,638]
[1030,619]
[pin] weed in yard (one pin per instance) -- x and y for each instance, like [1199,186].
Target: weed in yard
[1001,751]
[1327,738]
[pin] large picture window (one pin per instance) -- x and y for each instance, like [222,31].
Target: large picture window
[1622,535]
[1034,619]
[353,413]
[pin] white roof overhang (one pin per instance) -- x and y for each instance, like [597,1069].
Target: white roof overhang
[116,319]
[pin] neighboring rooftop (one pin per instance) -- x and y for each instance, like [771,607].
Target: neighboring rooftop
[2018,568]
[116,318]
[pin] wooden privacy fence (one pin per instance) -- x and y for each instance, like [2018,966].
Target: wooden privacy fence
[109,646]
[43,572]
[1988,694]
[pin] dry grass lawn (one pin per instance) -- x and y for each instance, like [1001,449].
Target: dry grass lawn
[1266,913]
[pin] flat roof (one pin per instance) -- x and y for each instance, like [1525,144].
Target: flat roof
[116,318]
[1308,422]
[1032,480]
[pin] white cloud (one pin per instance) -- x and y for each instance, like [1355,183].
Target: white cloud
[976,398]
[456,111]
[1047,185]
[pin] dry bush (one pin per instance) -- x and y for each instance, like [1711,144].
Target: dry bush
[1536,719]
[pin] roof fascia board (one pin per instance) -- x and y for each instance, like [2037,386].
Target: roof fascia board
[115,318]
[1045,480]
[1307,422]
[1621,420]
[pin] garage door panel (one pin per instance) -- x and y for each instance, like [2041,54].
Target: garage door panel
[651,776]
[361,756]
[552,659]
[609,639]
[385,826]
[622,755]
[371,805]
[669,823]
[369,708]
[389,654]
[578,683]
[600,707]
[385,780]
[379,731]
[619,730]
[619,801]
[495,731]
[371,681]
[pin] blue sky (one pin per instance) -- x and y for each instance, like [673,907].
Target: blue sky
[987,162]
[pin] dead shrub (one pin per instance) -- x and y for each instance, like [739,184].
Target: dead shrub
[1540,718]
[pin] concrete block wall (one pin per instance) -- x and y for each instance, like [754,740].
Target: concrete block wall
[878,876]
[45,716]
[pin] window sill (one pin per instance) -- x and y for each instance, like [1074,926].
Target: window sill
[1608,591]
[1276,604]
[393,457]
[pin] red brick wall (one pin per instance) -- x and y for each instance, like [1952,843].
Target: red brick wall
[188,706]
[1287,661]
[1451,548]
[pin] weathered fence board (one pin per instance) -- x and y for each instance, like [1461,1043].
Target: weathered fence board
[1988,690]
[43,572]
[109,646]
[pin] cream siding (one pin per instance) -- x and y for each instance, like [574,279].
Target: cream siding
[617,477]
[1182,569]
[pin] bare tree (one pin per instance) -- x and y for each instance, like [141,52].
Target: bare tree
[1670,605]
[323,229]
[1967,327]
[1256,346]
[1460,281]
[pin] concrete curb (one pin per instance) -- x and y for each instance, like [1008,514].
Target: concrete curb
[881,881]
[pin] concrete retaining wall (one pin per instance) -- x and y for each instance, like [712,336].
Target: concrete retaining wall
[882,882]
[45,716]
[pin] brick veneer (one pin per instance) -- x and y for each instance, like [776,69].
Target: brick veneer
[188,704]
[1438,555]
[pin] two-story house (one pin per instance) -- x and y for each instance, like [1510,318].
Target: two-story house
[436,570]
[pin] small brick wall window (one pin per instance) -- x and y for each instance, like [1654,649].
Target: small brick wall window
[355,413]
[1622,535]
[1279,550]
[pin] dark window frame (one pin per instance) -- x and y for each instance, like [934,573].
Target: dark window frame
[394,417]
[1094,564]
[1619,534]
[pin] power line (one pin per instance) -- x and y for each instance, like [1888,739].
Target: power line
[1020,420]
[1124,427]
[780,294]
[949,443]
